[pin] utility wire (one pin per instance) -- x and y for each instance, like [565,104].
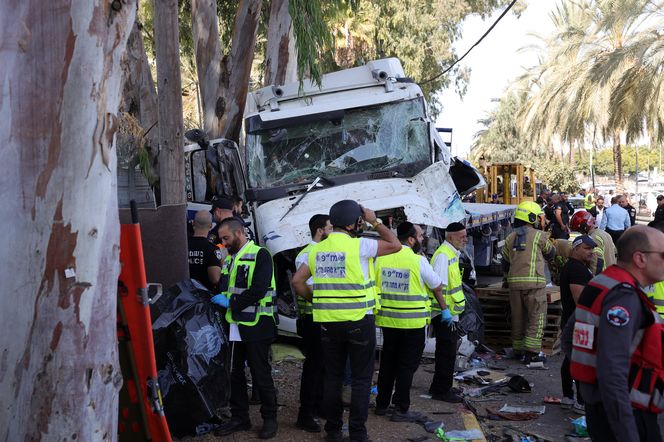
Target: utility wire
[473,46]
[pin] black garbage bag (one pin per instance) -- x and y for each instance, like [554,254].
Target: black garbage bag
[472,318]
[191,350]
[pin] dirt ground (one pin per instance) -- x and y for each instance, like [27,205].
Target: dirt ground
[553,425]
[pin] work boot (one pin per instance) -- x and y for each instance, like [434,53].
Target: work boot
[269,429]
[307,423]
[334,436]
[531,357]
[450,396]
[404,416]
[232,426]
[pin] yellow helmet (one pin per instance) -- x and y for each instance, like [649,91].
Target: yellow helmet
[528,211]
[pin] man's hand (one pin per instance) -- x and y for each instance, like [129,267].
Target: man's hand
[446,317]
[220,300]
[368,215]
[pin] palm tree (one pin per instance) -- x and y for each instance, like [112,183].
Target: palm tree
[590,78]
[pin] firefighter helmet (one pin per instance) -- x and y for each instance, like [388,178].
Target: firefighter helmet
[582,221]
[528,211]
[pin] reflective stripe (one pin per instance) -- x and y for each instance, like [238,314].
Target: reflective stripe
[248,257]
[587,316]
[584,358]
[659,302]
[405,315]
[455,290]
[636,341]
[239,291]
[342,286]
[452,261]
[658,399]
[258,309]
[413,298]
[605,281]
[639,397]
[342,305]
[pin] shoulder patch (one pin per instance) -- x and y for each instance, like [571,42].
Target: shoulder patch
[618,316]
[217,253]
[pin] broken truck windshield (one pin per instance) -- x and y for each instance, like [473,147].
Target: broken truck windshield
[391,136]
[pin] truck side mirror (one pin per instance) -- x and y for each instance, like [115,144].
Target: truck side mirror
[199,137]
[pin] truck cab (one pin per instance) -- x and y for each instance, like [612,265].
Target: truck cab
[362,134]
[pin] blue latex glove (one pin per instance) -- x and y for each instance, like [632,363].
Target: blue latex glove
[445,316]
[220,300]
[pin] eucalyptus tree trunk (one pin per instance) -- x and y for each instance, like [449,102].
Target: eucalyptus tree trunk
[617,163]
[60,79]
[280,53]
[224,78]
[169,87]
[139,96]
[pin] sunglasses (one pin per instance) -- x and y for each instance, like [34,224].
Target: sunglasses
[661,254]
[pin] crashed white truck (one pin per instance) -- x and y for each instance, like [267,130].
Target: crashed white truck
[363,134]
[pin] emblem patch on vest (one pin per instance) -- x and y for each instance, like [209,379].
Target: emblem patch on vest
[331,264]
[395,280]
[618,316]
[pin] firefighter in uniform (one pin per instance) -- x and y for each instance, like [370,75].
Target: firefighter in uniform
[251,314]
[311,382]
[617,345]
[525,254]
[605,252]
[656,295]
[403,280]
[344,297]
[445,262]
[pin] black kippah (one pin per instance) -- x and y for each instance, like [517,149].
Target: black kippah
[454,227]
[404,228]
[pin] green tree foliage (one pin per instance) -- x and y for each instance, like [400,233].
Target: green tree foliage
[649,159]
[556,176]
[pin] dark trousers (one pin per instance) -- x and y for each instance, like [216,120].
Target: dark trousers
[568,382]
[445,357]
[615,234]
[256,355]
[311,383]
[558,232]
[599,427]
[342,340]
[399,359]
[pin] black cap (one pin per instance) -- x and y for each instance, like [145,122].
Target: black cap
[404,228]
[660,197]
[222,203]
[344,213]
[454,227]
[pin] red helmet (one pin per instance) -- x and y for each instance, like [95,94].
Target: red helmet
[582,221]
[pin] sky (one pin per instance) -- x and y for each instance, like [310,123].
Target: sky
[493,63]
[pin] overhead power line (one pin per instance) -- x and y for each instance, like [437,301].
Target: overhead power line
[473,46]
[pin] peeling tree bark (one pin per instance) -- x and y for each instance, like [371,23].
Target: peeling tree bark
[617,163]
[60,91]
[280,53]
[224,79]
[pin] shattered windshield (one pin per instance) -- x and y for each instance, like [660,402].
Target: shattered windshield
[391,136]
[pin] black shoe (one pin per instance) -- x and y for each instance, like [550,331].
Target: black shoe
[269,429]
[231,427]
[334,436]
[533,357]
[380,411]
[450,397]
[404,416]
[307,423]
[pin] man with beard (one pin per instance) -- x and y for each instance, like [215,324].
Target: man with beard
[251,313]
[402,280]
[344,297]
[445,262]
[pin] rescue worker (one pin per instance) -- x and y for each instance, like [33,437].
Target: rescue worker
[403,280]
[525,253]
[204,257]
[311,382]
[617,345]
[561,213]
[445,262]
[624,203]
[251,313]
[656,291]
[605,252]
[343,299]
[588,199]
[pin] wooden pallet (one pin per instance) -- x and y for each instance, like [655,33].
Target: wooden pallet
[497,318]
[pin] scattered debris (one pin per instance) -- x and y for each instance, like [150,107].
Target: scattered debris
[519,384]
[537,366]
[499,415]
[459,435]
[580,426]
[284,352]
[541,409]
